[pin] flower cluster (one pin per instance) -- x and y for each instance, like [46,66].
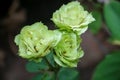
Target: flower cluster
[36,41]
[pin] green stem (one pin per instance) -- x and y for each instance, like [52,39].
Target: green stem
[51,67]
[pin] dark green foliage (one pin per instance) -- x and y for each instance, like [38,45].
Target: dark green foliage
[50,59]
[68,74]
[46,76]
[32,66]
[96,25]
[38,77]
[112,18]
[109,68]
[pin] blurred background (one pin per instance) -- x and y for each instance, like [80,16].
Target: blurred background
[101,39]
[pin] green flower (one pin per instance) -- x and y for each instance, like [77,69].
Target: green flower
[67,51]
[72,17]
[36,41]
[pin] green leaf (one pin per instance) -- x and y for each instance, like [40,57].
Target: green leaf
[96,25]
[45,76]
[112,18]
[49,76]
[32,66]
[38,77]
[109,68]
[51,59]
[68,74]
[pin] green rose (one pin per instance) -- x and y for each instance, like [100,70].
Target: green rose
[36,41]
[67,51]
[72,17]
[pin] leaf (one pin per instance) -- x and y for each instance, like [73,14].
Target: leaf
[32,66]
[112,18]
[96,25]
[109,68]
[38,77]
[51,59]
[68,74]
[45,76]
[49,76]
